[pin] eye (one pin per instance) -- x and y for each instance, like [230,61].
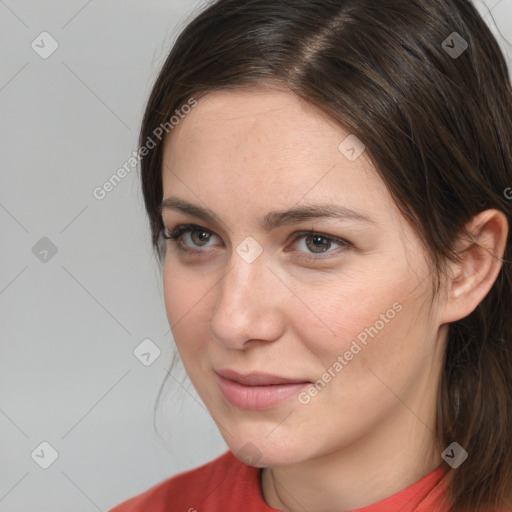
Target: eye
[190,238]
[197,235]
[320,243]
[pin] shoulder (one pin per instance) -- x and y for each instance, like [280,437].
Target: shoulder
[223,480]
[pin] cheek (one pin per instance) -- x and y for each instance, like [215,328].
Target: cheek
[186,304]
[379,327]
[339,314]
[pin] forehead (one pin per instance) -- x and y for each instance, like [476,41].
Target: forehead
[266,144]
[277,118]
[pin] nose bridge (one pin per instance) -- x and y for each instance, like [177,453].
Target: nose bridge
[245,305]
[241,283]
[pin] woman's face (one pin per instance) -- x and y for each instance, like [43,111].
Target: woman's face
[341,301]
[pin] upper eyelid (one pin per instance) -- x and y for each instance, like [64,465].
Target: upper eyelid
[187,227]
[197,227]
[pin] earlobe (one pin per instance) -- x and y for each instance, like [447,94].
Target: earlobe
[481,261]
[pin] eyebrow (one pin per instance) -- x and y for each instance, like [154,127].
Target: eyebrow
[272,219]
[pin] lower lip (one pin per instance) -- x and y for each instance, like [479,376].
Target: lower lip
[255,398]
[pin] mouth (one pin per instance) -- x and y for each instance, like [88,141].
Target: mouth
[257,391]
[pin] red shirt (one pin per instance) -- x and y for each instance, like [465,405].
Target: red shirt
[226,484]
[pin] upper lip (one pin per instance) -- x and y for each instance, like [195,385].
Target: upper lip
[257,379]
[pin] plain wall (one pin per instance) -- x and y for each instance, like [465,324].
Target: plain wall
[79,286]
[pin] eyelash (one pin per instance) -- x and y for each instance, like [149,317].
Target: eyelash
[180,230]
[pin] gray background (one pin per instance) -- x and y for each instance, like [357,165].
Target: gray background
[70,320]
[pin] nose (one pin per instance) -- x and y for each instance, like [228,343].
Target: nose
[250,305]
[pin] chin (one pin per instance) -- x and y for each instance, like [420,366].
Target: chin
[260,451]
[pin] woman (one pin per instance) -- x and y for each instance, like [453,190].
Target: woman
[327,185]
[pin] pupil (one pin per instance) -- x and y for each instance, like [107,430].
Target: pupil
[202,235]
[320,242]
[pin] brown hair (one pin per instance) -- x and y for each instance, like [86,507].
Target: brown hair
[438,128]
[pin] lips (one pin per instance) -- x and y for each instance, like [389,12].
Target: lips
[257,391]
[258,379]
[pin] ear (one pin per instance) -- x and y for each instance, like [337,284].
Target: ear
[470,280]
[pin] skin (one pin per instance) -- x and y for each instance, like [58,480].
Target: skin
[369,433]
